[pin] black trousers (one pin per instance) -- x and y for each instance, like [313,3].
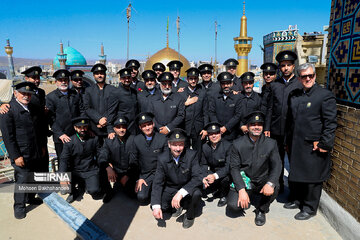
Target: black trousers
[259,200]
[307,195]
[281,146]
[22,176]
[90,183]
[194,140]
[222,185]
[189,202]
[58,149]
[144,195]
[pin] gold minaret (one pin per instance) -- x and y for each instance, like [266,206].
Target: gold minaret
[243,46]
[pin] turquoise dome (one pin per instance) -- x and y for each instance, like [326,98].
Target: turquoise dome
[73,57]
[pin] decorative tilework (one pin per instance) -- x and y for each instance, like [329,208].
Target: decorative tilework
[344,51]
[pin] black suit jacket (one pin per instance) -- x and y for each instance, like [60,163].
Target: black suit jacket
[216,160]
[186,174]
[260,161]
[96,103]
[20,133]
[311,117]
[62,109]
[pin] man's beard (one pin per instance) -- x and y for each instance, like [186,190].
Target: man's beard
[82,134]
[63,87]
[226,91]
[166,91]
[150,87]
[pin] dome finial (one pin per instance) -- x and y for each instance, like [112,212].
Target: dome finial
[244,8]
[167,33]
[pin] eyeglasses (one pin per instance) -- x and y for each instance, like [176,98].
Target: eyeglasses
[307,76]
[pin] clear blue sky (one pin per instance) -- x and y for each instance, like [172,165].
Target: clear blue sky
[35,28]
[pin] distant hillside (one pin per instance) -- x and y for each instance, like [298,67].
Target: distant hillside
[19,62]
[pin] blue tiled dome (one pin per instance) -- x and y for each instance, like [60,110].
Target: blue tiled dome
[73,57]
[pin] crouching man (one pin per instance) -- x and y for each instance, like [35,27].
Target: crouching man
[79,156]
[177,180]
[215,163]
[255,167]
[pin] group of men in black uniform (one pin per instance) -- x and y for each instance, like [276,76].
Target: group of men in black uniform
[170,142]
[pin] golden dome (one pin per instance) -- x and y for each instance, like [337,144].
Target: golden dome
[166,55]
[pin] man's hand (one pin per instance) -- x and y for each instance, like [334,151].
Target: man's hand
[103,121]
[4,108]
[64,138]
[111,135]
[191,100]
[244,199]
[267,190]
[64,183]
[244,129]
[236,92]
[111,174]
[175,202]
[139,184]
[163,130]
[205,182]
[157,213]
[267,133]
[211,178]
[124,180]
[223,129]
[203,134]
[19,162]
[181,89]
[316,148]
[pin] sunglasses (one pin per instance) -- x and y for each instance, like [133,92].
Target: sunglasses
[307,76]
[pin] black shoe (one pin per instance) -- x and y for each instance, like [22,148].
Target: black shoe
[71,198]
[260,218]
[291,205]
[20,214]
[178,212]
[35,201]
[187,223]
[222,202]
[108,196]
[302,215]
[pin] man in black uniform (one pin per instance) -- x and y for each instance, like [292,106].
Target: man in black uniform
[96,102]
[78,82]
[39,110]
[311,134]
[79,157]
[124,101]
[64,104]
[175,68]
[114,158]
[225,107]
[278,105]
[158,68]
[134,66]
[144,152]
[195,109]
[255,168]
[251,101]
[19,129]
[168,108]
[231,65]
[177,180]
[215,162]
[207,83]
[145,96]
[269,75]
